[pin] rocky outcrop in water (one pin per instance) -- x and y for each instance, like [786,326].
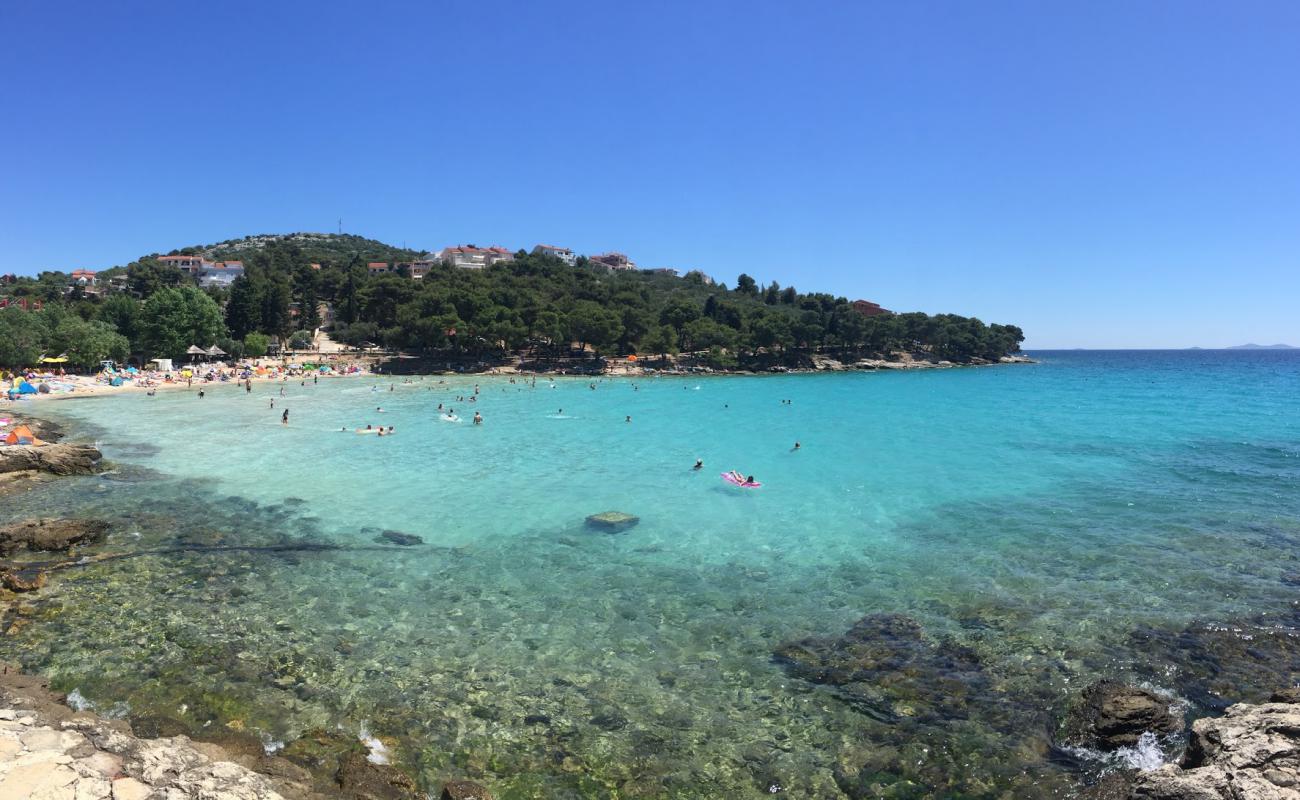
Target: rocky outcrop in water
[56,459]
[48,534]
[612,521]
[885,667]
[1111,715]
[1252,752]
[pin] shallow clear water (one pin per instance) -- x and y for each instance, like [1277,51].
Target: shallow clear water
[1036,514]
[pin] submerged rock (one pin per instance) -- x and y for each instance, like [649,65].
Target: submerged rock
[49,534]
[464,790]
[612,521]
[361,779]
[885,667]
[57,459]
[1252,751]
[1207,662]
[14,581]
[1111,715]
[397,537]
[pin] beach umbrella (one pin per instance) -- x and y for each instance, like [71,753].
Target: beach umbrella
[52,360]
[215,351]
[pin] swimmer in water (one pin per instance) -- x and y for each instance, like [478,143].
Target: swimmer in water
[628,418]
[478,418]
[796,447]
[699,464]
[284,420]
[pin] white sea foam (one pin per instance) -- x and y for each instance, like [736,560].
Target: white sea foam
[1144,756]
[378,750]
[271,746]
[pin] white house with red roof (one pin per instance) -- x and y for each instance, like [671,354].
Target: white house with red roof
[83,277]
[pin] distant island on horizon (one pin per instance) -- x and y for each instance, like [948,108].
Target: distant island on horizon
[1253,346]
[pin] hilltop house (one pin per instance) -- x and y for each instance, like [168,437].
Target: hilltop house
[208,273]
[869,309]
[613,262]
[563,253]
[83,277]
[221,273]
[418,269]
[379,267]
[190,265]
[467,256]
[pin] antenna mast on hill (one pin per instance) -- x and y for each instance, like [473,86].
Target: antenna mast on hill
[340,226]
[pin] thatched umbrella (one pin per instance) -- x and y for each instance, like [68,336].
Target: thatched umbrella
[195,350]
[215,351]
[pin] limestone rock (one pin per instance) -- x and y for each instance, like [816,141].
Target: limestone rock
[1252,751]
[1111,715]
[49,534]
[57,459]
[612,521]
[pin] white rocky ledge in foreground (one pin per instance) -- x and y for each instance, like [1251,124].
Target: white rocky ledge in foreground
[84,758]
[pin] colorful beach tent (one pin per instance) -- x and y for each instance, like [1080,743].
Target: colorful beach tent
[26,388]
[22,435]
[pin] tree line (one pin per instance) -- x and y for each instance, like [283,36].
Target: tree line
[534,304]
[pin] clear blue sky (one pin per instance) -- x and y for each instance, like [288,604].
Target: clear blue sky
[1103,174]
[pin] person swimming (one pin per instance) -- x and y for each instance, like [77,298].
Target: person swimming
[796,447]
[478,418]
[699,464]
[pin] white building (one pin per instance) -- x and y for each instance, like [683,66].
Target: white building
[613,262]
[467,256]
[221,273]
[563,253]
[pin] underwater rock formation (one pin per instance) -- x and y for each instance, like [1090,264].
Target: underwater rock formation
[363,780]
[1213,665]
[464,790]
[56,459]
[397,537]
[885,667]
[1252,751]
[612,521]
[1111,715]
[48,534]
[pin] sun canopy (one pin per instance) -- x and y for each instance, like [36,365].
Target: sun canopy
[195,350]
[215,351]
[53,360]
[22,435]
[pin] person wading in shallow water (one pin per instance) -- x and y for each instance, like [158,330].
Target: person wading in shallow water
[284,420]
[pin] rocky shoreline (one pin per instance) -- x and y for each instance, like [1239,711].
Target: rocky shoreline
[49,751]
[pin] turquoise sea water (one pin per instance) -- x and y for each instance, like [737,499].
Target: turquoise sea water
[1037,515]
